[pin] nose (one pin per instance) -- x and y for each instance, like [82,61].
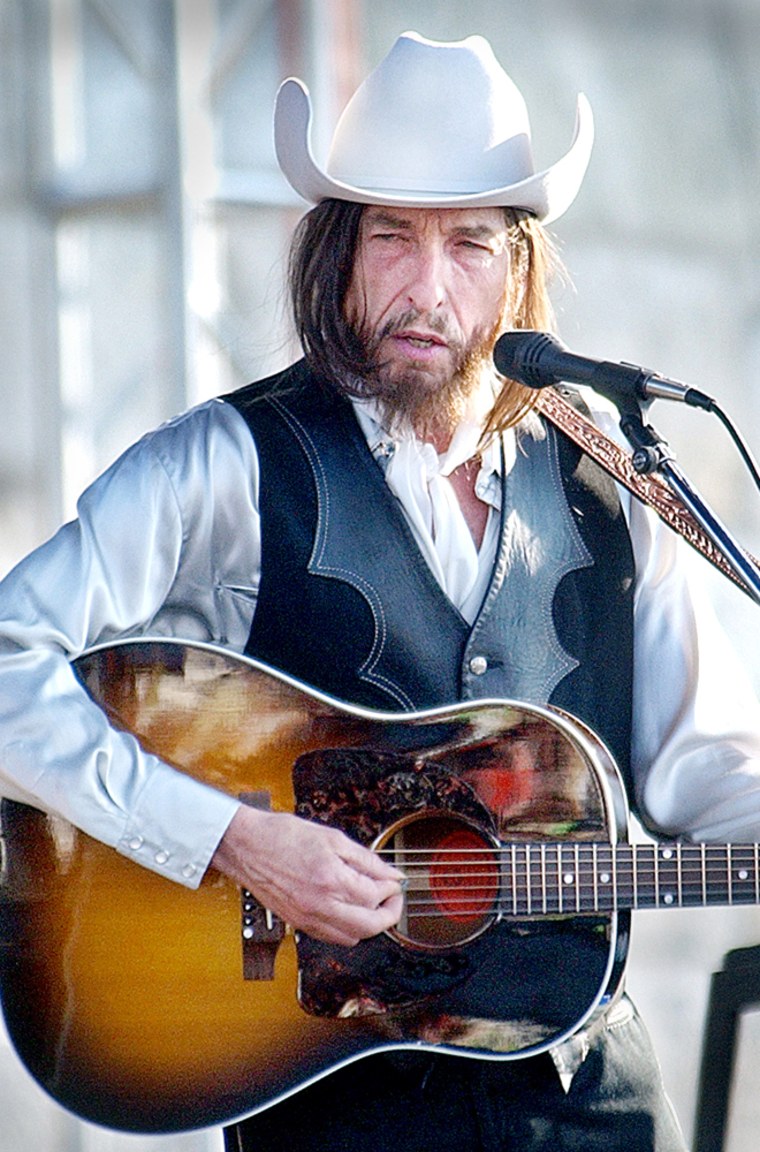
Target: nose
[427,286]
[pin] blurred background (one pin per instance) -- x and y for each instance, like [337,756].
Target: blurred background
[143,223]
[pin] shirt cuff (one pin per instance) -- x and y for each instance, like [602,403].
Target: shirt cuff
[176,826]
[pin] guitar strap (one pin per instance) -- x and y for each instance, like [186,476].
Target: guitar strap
[652,490]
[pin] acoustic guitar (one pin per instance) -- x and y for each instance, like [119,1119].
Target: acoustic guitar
[147,1007]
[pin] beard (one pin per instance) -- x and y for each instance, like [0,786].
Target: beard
[413,395]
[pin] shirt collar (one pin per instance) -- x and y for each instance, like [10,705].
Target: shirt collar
[465,442]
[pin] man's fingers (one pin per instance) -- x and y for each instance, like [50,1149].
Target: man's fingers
[369,863]
[351,924]
[369,891]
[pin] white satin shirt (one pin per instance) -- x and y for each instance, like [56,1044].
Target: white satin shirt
[167,543]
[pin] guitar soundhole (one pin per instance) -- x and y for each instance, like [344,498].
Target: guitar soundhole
[452,871]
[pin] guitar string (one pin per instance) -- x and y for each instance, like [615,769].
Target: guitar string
[538,887]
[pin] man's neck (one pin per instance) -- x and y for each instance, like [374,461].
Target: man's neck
[474,510]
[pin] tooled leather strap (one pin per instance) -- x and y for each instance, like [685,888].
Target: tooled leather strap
[652,490]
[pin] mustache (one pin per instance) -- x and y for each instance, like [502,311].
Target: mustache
[430,321]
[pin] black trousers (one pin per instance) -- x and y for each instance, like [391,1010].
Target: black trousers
[410,1102]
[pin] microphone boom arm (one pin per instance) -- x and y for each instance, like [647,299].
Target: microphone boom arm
[652,454]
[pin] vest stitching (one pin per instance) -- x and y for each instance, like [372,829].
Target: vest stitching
[570,565]
[549,635]
[367,590]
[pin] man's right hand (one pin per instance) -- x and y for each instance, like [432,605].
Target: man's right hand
[315,878]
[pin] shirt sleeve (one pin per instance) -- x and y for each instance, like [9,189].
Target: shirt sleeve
[118,570]
[696,740]
[696,716]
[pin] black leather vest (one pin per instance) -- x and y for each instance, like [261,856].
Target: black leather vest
[348,604]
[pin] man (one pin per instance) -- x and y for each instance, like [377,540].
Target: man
[501,565]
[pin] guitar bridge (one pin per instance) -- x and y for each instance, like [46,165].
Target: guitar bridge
[261,931]
[261,934]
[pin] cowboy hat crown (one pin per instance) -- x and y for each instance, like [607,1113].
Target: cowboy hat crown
[437,125]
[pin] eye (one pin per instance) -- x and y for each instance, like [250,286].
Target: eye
[387,232]
[474,250]
[388,238]
[479,243]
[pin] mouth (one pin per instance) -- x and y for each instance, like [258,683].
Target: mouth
[421,335]
[420,340]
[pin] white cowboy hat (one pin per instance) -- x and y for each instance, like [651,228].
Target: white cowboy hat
[435,125]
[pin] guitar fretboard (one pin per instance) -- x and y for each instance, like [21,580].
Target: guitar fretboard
[543,879]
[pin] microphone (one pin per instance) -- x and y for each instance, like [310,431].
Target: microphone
[537,360]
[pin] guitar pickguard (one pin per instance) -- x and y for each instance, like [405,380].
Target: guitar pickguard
[364,791]
[455,982]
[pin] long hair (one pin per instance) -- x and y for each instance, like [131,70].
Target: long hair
[321,263]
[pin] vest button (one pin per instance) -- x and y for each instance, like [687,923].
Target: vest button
[478,665]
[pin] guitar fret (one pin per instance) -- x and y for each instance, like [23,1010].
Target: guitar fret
[558,865]
[635,871]
[569,879]
[718,875]
[561,873]
[560,893]
[744,882]
[586,878]
[578,878]
[646,876]
[556,877]
[553,901]
[552,892]
[559,878]
[541,899]
[528,901]
[691,875]
[668,888]
[607,896]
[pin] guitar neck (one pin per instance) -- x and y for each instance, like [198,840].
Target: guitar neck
[541,879]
